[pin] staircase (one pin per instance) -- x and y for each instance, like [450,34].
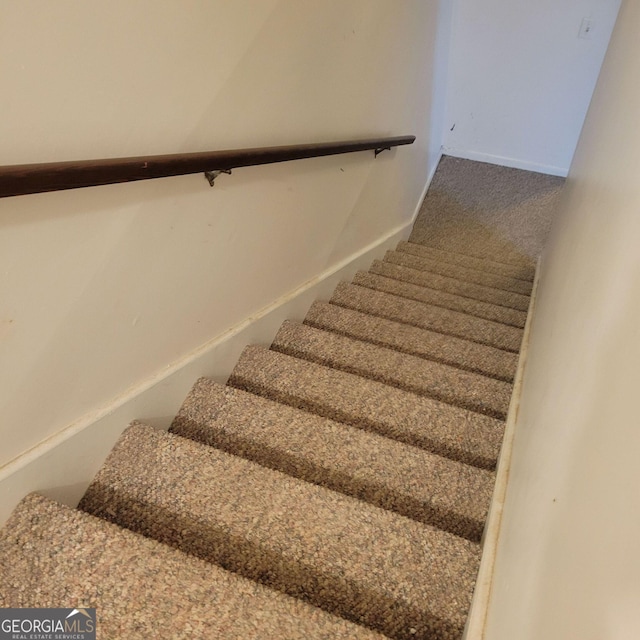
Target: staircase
[336,487]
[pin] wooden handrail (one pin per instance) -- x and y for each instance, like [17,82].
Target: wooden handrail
[23,179]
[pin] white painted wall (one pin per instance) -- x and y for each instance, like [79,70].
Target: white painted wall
[521,79]
[569,554]
[106,288]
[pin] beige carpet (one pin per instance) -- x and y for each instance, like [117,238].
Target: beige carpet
[338,485]
[488,211]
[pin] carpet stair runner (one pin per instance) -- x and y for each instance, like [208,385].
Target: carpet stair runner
[336,487]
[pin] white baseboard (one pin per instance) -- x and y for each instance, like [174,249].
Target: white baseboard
[506,162]
[477,619]
[62,466]
[423,195]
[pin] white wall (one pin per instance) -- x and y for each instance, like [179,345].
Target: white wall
[103,289]
[521,79]
[569,554]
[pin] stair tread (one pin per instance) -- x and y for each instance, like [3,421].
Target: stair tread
[426,377]
[452,285]
[414,340]
[521,272]
[348,557]
[497,313]
[447,430]
[427,316]
[461,273]
[413,482]
[52,555]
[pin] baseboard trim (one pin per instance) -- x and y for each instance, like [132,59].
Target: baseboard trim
[423,195]
[477,619]
[62,466]
[503,161]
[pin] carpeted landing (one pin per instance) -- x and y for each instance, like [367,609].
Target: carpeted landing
[336,487]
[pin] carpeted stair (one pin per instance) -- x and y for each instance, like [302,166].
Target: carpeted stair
[336,487]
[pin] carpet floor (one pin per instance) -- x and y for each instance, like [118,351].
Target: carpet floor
[338,485]
[488,211]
